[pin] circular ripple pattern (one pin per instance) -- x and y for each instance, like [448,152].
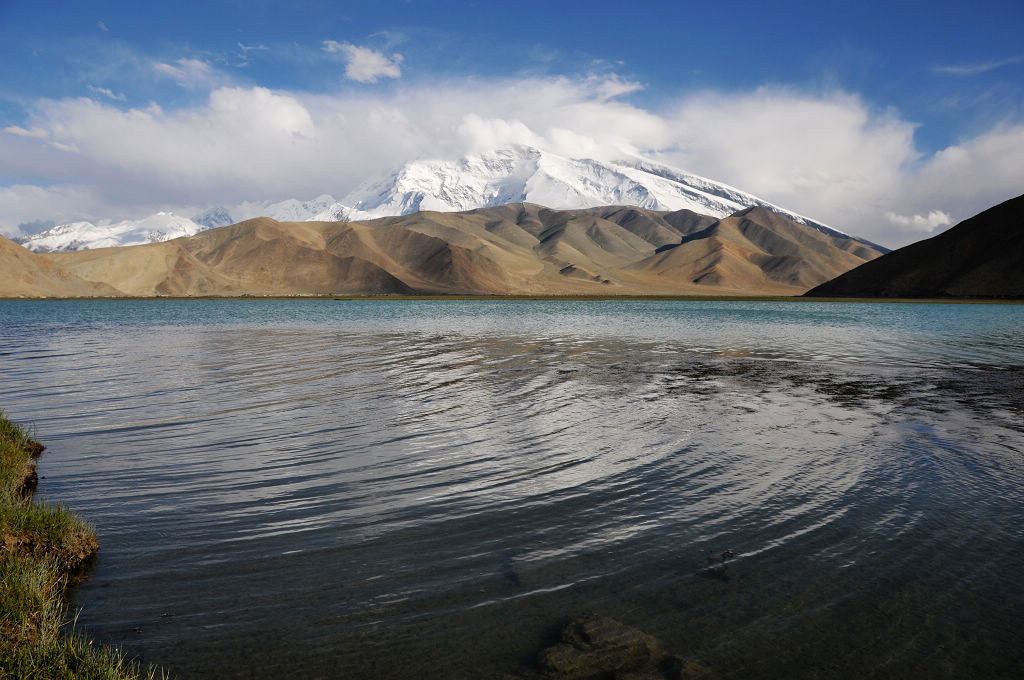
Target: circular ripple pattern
[389,490]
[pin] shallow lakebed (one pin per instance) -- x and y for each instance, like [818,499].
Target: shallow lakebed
[412,489]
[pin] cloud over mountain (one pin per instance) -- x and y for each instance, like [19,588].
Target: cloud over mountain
[828,155]
[925,223]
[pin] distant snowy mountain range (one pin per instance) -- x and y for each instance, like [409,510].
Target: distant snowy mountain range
[508,175]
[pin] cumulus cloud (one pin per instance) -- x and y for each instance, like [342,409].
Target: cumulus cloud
[829,156]
[365,65]
[825,155]
[922,223]
[986,169]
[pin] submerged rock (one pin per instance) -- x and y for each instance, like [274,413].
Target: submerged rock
[600,648]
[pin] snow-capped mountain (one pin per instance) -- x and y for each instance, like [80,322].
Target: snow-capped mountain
[337,212]
[162,226]
[526,174]
[214,217]
[508,175]
[290,210]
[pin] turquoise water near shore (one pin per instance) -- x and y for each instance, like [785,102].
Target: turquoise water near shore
[410,489]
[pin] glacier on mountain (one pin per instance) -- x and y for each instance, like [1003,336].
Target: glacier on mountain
[511,174]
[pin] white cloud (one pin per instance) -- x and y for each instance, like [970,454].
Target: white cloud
[826,156]
[102,26]
[920,223]
[187,71]
[24,203]
[107,93]
[977,69]
[33,133]
[365,65]
[985,169]
[481,134]
[829,156]
[169,70]
[612,86]
[40,134]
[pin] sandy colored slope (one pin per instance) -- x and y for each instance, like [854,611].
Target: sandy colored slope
[756,248]
[510,249]
[25,274]
[980,257]
[657,228]
[255,257]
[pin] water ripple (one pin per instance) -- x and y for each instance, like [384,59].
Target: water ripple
[430,500]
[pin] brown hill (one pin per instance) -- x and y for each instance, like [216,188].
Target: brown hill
[757,248]
[25,274]
[980,257]
[510,249]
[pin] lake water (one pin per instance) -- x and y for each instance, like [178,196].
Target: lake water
[420,489]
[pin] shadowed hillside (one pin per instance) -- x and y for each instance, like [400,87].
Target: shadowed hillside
[980,257]
[517,248]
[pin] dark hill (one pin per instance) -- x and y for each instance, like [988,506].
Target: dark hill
[981,257]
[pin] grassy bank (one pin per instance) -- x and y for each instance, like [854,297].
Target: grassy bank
[43,549]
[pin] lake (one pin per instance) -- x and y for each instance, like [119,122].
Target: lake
[430,489]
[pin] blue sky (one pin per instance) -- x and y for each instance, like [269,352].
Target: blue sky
[886,121]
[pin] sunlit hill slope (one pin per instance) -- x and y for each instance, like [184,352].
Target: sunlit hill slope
[519,248]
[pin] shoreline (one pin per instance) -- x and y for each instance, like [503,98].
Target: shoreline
[455,297]
[44,551]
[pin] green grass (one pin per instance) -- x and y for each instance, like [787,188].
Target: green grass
[16,452]
[42,550]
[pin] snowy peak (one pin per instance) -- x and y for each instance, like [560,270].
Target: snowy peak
[290,210]
[448,186]
[214,217]
[336,212]
[526,174]
[163,226]
[512,174]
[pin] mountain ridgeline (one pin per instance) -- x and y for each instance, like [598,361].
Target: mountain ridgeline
[515,174]
[980,257]
[518,248]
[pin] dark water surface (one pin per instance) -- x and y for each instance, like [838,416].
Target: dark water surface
[339,489]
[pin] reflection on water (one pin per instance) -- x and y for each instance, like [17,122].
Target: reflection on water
[411,490]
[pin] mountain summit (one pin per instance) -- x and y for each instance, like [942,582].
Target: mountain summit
[512,174]
[161,226]
[525,174]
